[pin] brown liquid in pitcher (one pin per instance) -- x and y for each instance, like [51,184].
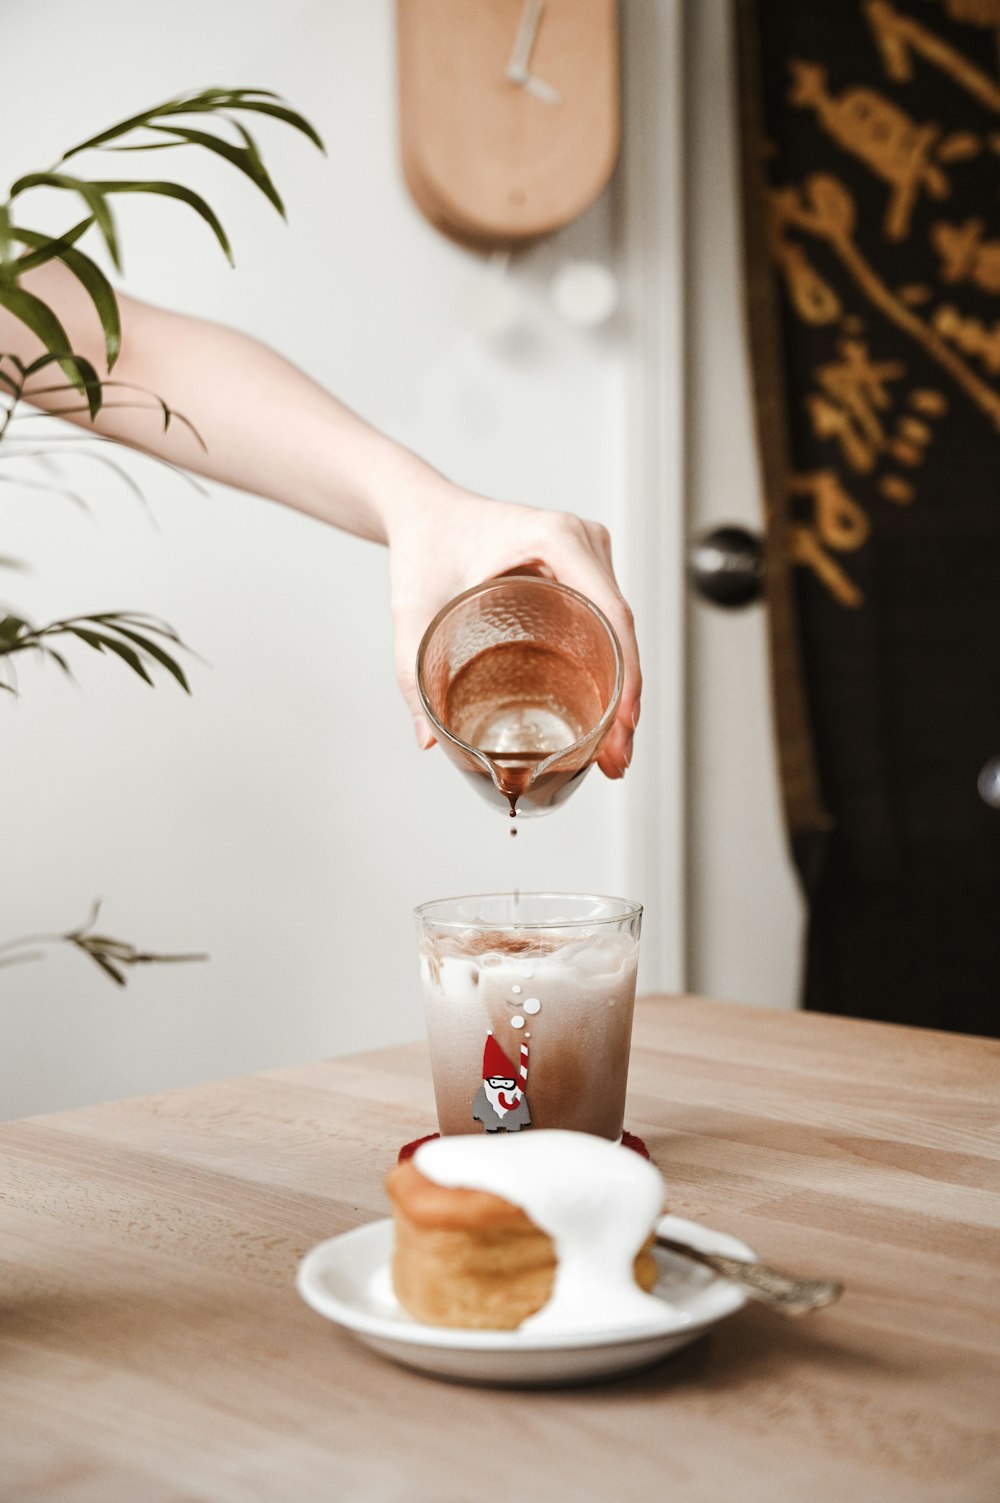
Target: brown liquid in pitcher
[519,703]
[513,771]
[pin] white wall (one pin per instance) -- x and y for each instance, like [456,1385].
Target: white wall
[282,819]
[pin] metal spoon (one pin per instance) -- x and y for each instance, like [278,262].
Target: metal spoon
[782,1291]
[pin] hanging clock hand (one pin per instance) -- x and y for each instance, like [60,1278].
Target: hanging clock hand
[517,64]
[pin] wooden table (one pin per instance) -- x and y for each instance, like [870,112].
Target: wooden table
[153,1347]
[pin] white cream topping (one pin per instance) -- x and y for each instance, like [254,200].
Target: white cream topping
[596,1200]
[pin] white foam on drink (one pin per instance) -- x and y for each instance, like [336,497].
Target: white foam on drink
[596,1200]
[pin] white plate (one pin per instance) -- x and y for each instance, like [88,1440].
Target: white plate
[348,1280]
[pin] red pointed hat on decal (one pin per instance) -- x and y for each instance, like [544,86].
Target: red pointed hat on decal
[495,1062]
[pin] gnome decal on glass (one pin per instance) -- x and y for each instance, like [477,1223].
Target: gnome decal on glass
[500,1103]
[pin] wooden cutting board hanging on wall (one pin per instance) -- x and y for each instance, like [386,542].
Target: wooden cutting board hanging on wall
[509,113]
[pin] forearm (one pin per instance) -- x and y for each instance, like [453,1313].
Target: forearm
[267,427]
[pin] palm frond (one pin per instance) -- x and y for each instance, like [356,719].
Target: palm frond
[22,249]
[92,196]
[44,324]
[203,101]
[87,272]
[244,158]
[127,635]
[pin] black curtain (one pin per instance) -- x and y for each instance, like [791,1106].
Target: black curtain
[871,190]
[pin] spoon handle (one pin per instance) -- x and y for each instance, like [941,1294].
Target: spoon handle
[782,1291]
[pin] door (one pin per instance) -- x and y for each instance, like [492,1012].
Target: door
[706,801]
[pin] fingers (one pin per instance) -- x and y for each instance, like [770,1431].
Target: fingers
[616,752]
[408,633]
[582,559]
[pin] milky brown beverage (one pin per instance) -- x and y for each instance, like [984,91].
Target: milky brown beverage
[530,1028]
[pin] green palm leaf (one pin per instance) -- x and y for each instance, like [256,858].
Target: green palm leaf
[78,448]
[169,107]
[173,190]
[242,158]
[91,194]
[152,648]
[145,622]
[245,137]
[202,102]
[17,634]
[87,273]
[49,490]
[101,643]
[169,414]
[161,120]
[44,324]
[236,101]
[6,238]
[11,628]
[181,105]
[49,247]
[146,146]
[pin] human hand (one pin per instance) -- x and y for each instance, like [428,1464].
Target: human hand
[447,540]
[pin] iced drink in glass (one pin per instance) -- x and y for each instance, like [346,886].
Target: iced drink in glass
[529,1001]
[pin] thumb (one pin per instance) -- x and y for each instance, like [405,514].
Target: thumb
[406,676]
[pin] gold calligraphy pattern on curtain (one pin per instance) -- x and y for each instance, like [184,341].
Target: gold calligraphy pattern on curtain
[876,414]
[905,155]
[965,255]
[900,38]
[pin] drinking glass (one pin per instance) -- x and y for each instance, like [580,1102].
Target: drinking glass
[520,679]
[529,1000]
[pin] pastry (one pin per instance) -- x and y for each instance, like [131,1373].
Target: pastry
[550,1227]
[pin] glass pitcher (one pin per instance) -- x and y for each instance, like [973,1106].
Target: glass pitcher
[520,679]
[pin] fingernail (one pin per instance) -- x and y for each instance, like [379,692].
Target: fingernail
[422,731]
[635,714]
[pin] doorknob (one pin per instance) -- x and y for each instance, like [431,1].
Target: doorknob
[726,566]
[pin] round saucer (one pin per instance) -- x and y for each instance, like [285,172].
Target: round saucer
[348,1280]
